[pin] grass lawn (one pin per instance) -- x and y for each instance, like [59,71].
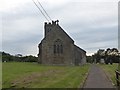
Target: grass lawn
[33,75]
[110,71]
[119,67]
[0,74]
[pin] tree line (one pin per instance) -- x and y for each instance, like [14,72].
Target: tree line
[107,56]
[6,57]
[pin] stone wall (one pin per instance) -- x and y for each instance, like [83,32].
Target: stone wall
[69,53]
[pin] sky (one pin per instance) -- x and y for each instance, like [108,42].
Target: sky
[92,24]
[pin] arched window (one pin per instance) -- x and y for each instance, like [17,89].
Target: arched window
[58,47]
[61,48]
[54,48]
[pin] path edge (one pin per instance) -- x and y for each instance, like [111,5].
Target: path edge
[83,84]
[114,86]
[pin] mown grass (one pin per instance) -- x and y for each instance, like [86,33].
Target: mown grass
[119,67]
[33,75]
[110,71]
[0,74]
[0,70]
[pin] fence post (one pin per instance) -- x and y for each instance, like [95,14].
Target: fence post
[117,77]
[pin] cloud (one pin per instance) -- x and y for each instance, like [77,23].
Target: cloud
[92,25]
[26,46]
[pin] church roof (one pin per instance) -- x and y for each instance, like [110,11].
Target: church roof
[80,48]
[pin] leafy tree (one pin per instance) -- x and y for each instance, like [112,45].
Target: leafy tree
[6,57]
[29,59]
[89,59]
[109,55]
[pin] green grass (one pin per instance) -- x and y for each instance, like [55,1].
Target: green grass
[110,71]
[0,74]
[0,70]
[119,67]
[33,75]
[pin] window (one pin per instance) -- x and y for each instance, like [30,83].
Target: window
[61,48]
[54,48]
[58,47]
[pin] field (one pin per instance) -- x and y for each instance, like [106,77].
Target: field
[0,74]
[33,75]
[119,67]
[110,71]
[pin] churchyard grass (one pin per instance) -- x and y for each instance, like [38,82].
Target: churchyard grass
[0,71]
[33,75]
[119,67]
[110,71]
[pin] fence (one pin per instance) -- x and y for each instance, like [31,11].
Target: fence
[117,77]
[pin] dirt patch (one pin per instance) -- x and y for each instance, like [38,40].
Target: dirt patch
[24,81]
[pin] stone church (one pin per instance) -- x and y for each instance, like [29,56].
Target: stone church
[58,48]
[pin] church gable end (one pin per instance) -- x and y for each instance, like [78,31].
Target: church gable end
[53,30]
[57,47]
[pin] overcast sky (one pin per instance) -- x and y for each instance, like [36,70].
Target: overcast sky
[92,24]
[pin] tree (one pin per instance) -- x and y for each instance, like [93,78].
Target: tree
[29,58]
[109,55]
[99,55]
[89,59]
[6,57]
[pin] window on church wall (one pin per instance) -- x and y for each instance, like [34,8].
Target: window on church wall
[54,49]
[61,48]
[58,47]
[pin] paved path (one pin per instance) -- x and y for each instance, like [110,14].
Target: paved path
[97,78]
